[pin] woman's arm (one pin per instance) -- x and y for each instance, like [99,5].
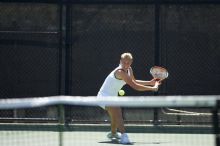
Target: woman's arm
[133,84]
[145,83]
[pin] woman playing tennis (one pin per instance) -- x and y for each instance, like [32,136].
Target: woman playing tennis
[120,76]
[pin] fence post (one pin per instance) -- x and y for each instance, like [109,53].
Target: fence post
[68,45]
[61,120]
[157,48]
[215,121]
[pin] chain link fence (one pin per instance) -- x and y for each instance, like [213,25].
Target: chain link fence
[29,54]
[69,48]
[190,48]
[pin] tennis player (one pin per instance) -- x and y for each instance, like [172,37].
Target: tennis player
[120,76]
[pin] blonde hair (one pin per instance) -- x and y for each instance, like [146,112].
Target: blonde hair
[127,55]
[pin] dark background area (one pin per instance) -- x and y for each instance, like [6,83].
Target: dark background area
[68,47]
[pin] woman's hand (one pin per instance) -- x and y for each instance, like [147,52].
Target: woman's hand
[153,81]
[156,86]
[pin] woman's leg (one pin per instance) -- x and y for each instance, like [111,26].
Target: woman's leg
[117,122]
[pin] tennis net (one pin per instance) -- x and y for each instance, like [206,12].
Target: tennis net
[80,121]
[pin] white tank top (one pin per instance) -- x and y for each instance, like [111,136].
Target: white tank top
[112,85]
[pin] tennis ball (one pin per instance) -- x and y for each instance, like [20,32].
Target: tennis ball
[121,92]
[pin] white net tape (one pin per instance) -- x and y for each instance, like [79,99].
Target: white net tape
[144,101]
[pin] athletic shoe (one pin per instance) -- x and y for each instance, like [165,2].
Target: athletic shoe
[117,135]
[124,139]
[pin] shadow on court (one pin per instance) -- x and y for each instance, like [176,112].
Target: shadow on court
[115,142]
[135,143]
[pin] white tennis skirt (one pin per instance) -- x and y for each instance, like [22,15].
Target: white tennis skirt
[103,95]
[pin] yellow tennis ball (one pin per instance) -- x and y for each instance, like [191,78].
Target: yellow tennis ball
[121,92]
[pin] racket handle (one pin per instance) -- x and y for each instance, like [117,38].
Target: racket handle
[157,79]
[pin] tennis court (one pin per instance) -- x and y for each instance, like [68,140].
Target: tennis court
[152,139]
[67,47]
[84,134]
[95,135]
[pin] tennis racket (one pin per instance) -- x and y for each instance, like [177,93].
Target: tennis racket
[159,73]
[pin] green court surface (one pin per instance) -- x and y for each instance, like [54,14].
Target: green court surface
[142,139]
[95,137]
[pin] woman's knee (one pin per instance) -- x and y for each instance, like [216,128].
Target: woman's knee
[113,110]
[115,113]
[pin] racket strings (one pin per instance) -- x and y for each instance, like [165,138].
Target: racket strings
[159,72]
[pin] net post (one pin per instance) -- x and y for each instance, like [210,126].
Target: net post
[215,121]
[61,120]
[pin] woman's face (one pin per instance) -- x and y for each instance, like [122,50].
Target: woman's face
[125,63]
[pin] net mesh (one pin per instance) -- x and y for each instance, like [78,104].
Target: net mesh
[187,120]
